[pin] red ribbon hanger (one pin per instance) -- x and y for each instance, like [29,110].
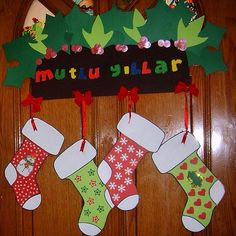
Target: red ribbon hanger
[132,97]
[82,100]
[192,90]
[35,106]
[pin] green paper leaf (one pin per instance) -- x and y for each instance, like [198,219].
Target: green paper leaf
[55,28]
[162,21]
[138,19]
[133,34]
[214,34]
[39,36]
[20,50]
[191,32]
[211,61]
[76,20]
[97,34]
[121,19]
[115,19]
[39,46]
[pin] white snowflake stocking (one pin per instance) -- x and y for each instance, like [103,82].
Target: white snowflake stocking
[22,170]
[138,136]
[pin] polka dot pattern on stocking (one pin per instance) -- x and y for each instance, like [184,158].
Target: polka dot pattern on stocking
[27,161]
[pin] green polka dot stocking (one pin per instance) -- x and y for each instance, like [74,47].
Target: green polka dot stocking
[203,189]
[81,170]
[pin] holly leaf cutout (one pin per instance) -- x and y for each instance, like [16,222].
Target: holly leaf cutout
[138,21]
[20,50]
[97,34]
[115,19]
[191,32]
[121,19]
[76,20]
[214,34]
[55,28]
[162,21]
[39,37]
[211,61]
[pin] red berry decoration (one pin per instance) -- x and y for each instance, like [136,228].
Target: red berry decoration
[39,61]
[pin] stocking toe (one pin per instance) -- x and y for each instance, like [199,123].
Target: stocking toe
[191,224]
[89,229]
[129,203]
[32,203]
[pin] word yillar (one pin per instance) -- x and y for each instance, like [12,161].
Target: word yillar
[114,71]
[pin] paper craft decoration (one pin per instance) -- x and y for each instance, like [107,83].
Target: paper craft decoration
[79,167]
[152,70]
[138,136]
[22,170]
[84,52]
[204,191]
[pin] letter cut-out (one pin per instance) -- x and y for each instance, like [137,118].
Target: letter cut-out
[145,69]
[82,74]
[94,74]
[72,73]
[161,67]
[175,63]
[115,70]
[41,76]
[134,69]
[61,75]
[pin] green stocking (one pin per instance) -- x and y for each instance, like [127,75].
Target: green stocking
[96,208]
[81,170]
[203,189]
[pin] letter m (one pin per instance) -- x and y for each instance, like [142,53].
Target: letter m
[43,75]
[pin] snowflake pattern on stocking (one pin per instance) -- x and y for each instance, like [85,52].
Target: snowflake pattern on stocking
[123,160]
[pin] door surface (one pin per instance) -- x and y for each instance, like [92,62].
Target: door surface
[213,122]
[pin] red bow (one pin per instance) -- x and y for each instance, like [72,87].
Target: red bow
[34,102]
[192,89]
[132,94]
[182,87]
[79,97]
[132,97]
[82,100]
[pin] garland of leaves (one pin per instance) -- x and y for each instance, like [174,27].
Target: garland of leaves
[116,27]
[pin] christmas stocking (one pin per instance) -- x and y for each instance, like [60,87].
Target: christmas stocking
[138,136]
[203,189]
[22,170]
[79,167]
